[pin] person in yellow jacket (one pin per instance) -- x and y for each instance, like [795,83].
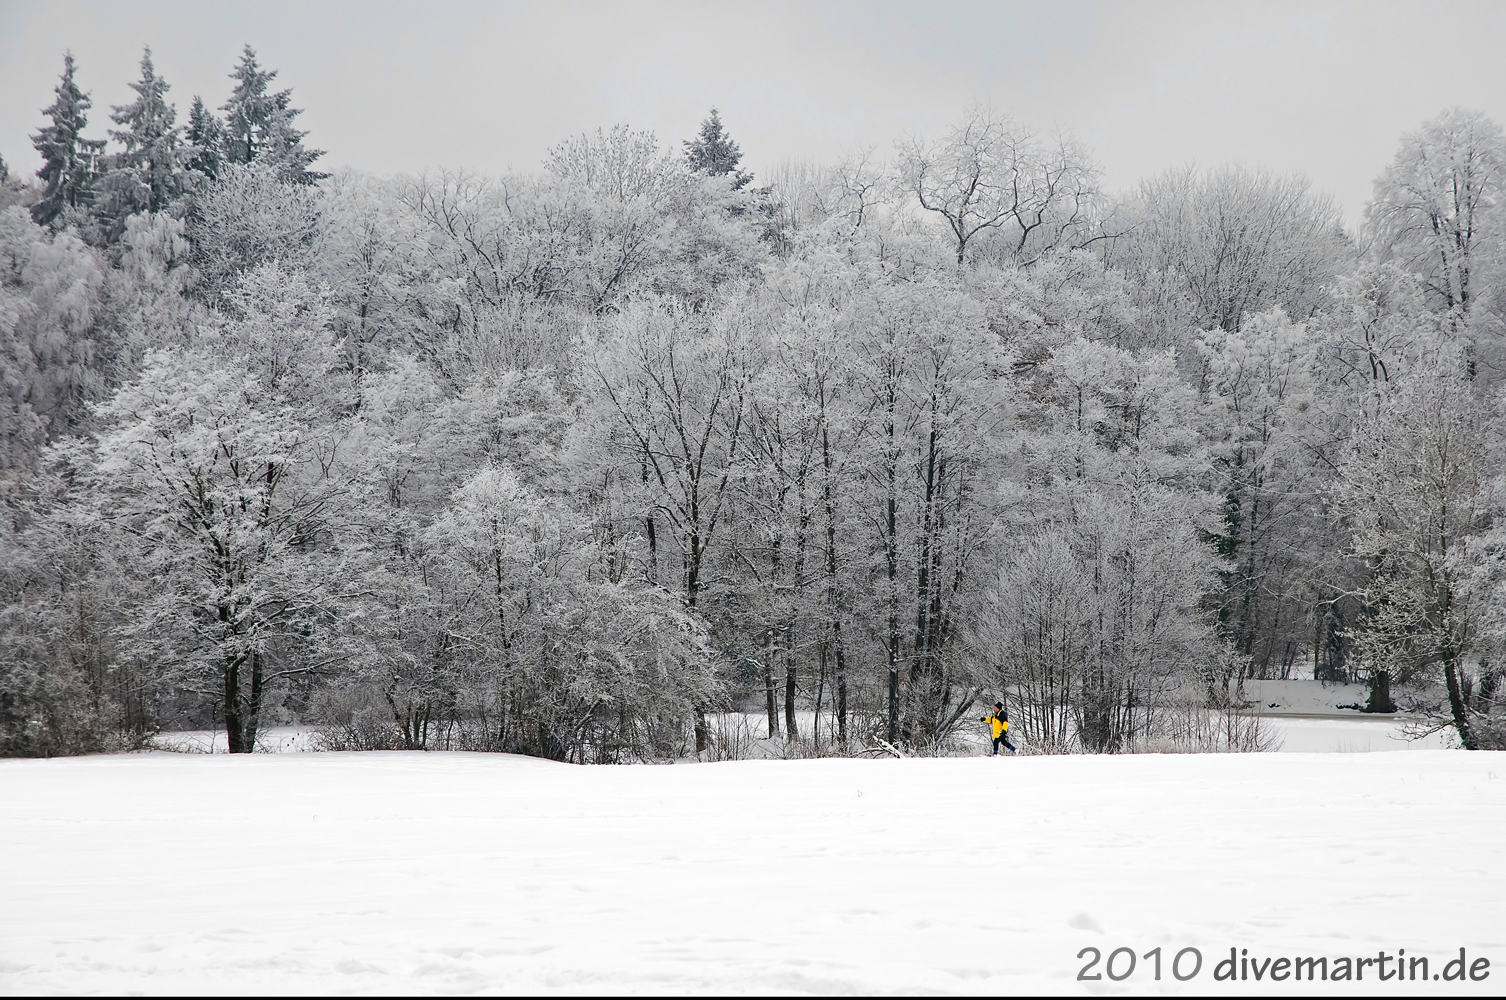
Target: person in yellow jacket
[998,720]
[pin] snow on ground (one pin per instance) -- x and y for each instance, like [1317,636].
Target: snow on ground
[276,739]
[450,872]
[1362,734]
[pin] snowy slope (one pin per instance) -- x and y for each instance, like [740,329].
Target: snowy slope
[378,873]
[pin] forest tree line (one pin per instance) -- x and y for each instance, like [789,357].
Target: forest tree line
[574,463]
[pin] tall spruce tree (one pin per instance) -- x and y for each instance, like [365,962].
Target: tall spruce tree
[713,152]
[206,140]
[259,125]
[147,174]
[69,161]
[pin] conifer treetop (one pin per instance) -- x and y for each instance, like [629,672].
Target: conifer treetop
[150,118]
[713,152]
[259,124]
[67,158]
[147,174]
[206,139]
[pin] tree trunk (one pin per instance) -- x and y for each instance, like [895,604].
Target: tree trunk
[791,659]
[693,568]
[893,651]
[841,671]
[768,682]
[1457,707]
[1380,693]
[833,595]
[653,536]
[791,727]
[692,571]
[919,717]
[779,637]
[253,717]
[891,557]
[821,659]
[653,550]
[234,731]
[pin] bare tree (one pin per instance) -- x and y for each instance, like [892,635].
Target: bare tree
[987,176]
[837,200]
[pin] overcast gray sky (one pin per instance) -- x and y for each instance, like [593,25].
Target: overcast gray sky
[1326,89]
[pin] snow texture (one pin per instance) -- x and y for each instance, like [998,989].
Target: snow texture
[439,873]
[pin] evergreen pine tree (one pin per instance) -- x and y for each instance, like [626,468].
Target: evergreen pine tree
[206,140]
[4,171]
[68,159]
[259,125]
[713,152]
[147,175]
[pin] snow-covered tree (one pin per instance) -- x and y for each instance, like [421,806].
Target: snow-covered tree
[1208,249]
[205,140]
[712,152]
[371,253]
[70,162]
[625,194]
[220,470]
[1260,387]
[1421,489]
[1096,620]
[673,385]
[928,374]
[1437,206]
[671,394]
[500,274]
[989,178]
[52,352]
[259,125]
[250,216]
[147,174]
[840,198]
[63,686]
[582,670]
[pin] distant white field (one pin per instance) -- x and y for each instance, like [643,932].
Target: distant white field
[440,873]
[1362,734]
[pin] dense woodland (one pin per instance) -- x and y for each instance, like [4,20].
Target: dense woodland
[592,462]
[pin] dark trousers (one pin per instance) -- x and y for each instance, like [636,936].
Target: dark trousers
[1001,738]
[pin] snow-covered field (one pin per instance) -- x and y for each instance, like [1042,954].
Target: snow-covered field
[384,873]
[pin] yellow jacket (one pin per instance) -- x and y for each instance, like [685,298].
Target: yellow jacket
[1000,726]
